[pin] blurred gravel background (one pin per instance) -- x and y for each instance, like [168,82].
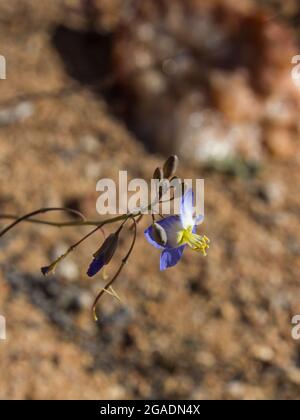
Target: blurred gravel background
[97,86]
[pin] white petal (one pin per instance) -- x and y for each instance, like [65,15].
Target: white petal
[186,209]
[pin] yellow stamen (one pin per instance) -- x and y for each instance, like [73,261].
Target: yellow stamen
[196,242]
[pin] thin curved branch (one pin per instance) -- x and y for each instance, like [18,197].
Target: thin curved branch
[64,224]
[50,268]
[124,261]
[40,211]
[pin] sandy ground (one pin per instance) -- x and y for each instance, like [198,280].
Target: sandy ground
[214,327]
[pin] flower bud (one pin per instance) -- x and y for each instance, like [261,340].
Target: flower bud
[104,254]
[46,270]
[159,234]
[51,268]
[158,174]
[108,248]
[170,166]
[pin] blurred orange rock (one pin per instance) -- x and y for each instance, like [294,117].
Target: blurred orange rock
[281,142]
[196,58]
[234,97]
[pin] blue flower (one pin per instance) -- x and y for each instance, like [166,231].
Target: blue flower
[96,265]
[104,254]
[180,231]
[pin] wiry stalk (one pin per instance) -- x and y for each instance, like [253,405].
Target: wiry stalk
[116,275]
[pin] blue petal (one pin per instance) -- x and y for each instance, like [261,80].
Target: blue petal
[95,266]
[171,225]
[170,257]
[199,219]
[148,235]
[186,209]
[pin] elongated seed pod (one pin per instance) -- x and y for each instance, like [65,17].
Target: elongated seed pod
[158,174]
[170,166]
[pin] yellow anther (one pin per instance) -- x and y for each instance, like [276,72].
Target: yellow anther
[196,242]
